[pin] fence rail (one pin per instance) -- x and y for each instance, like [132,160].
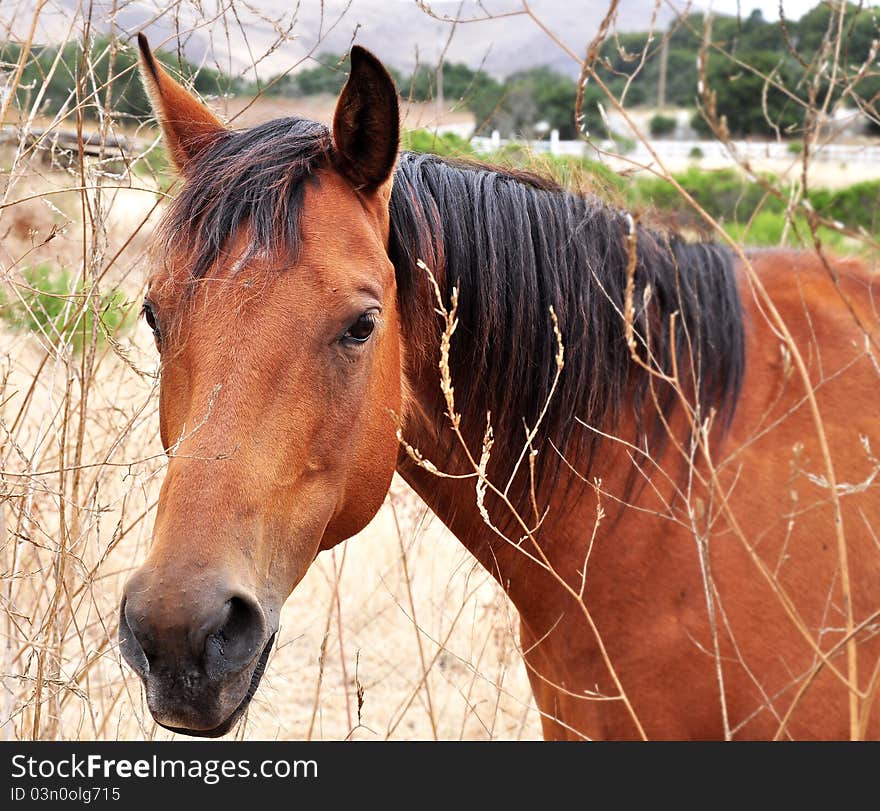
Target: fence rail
[708,150]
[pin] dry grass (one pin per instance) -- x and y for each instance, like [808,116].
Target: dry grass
[71,538]
[355,622]
[395,634]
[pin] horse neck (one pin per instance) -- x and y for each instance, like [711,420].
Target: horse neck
[453,445]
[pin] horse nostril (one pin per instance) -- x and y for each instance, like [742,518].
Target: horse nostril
[162,634]
[238,638]
[130,644]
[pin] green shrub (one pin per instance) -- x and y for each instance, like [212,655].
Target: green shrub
[696,153]
[661,124]
[624,145]
[794,147]
[156,166]
[157,162]
[51,304]
[856,205]
[125,97]
[447,144]
[767,228]
[725,194]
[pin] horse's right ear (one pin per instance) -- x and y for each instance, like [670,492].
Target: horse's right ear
[187,125]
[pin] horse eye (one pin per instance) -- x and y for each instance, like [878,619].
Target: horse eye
[361,330]
[150,318]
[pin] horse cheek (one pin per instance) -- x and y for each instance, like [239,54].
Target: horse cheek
[373,459]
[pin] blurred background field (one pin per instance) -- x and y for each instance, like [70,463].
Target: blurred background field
[398,633]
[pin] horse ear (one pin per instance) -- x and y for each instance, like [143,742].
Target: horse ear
[187,125]
[366,124]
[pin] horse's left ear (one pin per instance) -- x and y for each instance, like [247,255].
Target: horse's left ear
[366,124]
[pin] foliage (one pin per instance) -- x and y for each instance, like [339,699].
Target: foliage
[741,46]
[124,97]
[773,228]
[724,194]
[731,198]
[533,96]
[475,89]
[855,206]
[661,124]
[447,144]
[51,303]
[326,78]
[744,51]
[744,97]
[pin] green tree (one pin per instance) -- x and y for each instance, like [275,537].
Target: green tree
[661,124]
[116,87]
[859,29]
[535,95]
[475,90]
[460,83]
[327,77]
[739,91]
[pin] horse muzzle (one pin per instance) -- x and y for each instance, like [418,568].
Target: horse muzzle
[200,649]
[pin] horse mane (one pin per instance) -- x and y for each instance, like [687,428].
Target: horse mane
[516,245]
[513,244]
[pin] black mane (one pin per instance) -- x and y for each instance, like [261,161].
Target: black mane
[514,245]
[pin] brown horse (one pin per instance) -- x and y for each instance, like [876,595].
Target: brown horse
[665,452]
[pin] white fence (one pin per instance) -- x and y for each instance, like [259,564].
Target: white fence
[708,150]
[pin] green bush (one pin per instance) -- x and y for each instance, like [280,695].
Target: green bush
[767,228]
[156,166]
[696,153]
[725,194]
[661,124]
[51,304]
[622,144]
[447,144]
[527,97]
[475,89]
[729,196]
[854,206]
[738,91]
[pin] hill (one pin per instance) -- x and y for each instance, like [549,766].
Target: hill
[398,30]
